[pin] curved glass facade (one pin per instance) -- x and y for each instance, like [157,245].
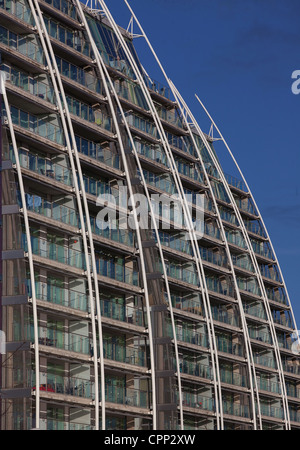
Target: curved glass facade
[140,289]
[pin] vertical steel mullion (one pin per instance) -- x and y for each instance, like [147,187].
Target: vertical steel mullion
[168,154]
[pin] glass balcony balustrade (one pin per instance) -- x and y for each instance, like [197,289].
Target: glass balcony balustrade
[268,385]
[212,257]
[220,191]
[43,166]
[254,227]
[79,75]
[189,170]
[227,215]
[124,313]
[185,274]
[294,415]
[19,9]
[233,378]
[198,401]
[127,396]
[71,38]
[175,242]
[86,112]
[73,386]
[162,182]
[255,311]
[246,205]
[189,335]
[271,411]
[222,315]
[25,45]
[141,124]
[182,143]
[235,182]
[264,360]
[169,115]
[68,341]
[44,126]
[96,151]
[283,319]
[259,335]
[277,295]
[150,151]
[243,262]
[158,87]
[220,286]
[59,425]
[249,285]
[52,210]
[292,391]
[64,6]
[55,252]
[262,249]
[270,272]
[235,409]
[35,86]
[132,92]
[225,345]
[291,367]
[187,303]
[196,369]
[116,234]
[115,271]
[67,297]
[284,341]
[123,354]
[235,237]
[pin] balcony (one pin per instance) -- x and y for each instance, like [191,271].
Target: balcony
[43,166]
[123,313]
[196,369]
[78,75]
[95,151]
[197,401]
[64,6]
[127,396]
[71,386]
[19,9]
[236,379]
[24,45]
[83,111]
[44,126]
[35,86]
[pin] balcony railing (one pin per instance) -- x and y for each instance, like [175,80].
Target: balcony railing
[43,126]
[34,86]
[127,396]
[76,387]
[19,9]
[25,45]
[123,313]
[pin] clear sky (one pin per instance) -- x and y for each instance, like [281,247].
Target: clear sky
[238,56]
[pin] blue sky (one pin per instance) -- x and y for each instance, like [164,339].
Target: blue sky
[238,57]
